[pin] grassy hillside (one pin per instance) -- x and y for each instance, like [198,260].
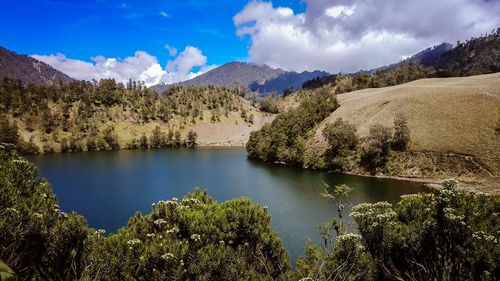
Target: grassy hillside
[445,116]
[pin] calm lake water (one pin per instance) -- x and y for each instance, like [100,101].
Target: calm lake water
[109,187]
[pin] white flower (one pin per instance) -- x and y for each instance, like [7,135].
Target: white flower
[196,237]
[12,210]
[191,200]
[173,230]
[134,241]
[160,222]
[38,215]
[167,256]
[150,235]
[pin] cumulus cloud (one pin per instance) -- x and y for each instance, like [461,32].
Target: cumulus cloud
[141,67]
[349,35]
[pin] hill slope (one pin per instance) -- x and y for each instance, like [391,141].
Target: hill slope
[445,115]
[28,69]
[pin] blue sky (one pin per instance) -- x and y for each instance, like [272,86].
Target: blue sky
[122,39]
[84,29]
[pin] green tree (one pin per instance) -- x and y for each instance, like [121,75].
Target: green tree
[270,104]
[158,138]
[177,139]
[143,142]
[8,131]
[377,147]
[191,138]
[111,138]
[341,137]
[401,138]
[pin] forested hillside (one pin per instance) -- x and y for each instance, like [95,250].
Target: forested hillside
[108,115]
[475,56]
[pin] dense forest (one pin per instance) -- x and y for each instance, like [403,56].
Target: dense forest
[84,115]
[447,235]
[283,140]
[475,56]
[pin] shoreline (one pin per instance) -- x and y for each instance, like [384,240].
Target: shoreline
[433,184]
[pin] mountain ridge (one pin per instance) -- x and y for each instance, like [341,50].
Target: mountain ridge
[29,70]
[261,79]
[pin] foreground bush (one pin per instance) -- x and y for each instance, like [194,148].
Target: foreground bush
[451,235]
[37,240]
[196,238]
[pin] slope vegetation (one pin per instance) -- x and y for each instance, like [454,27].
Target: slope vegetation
[450,116]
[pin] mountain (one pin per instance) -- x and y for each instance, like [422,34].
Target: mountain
[28,69]
[258,78]
[286,80]
[475,56]
[426,57]
[234,74]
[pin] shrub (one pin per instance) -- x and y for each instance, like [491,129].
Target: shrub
[448,235]
[158,138]
[341,137]
[191,138]
[451,235]
[401,137]
[8,131]
[177,139]
[377,147]
[143,142]
[269,104]
[111,138]
[196,239]
[37,240]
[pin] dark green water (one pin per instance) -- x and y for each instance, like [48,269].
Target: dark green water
[109,187]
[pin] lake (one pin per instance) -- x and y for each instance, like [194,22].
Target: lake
[109,187]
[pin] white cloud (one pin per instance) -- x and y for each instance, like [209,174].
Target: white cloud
[171,50]
[339,10]
[349,35]
[164,14]
[141,67]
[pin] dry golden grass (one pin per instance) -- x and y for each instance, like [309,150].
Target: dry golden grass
[452,115]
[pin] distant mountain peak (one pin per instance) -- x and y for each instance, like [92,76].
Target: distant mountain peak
[28,69]
[262,79]
[425,57]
